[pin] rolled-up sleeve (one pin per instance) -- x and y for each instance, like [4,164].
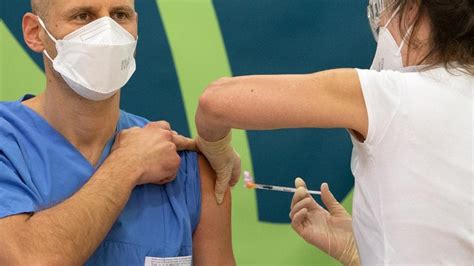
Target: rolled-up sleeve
[192,186]
[15,195]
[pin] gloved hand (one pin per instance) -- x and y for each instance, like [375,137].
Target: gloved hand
[330,231]
[224,160]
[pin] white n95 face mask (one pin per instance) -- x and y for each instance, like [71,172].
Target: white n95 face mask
[388,55]
[96,60]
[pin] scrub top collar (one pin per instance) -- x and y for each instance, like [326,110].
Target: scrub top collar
[44,126]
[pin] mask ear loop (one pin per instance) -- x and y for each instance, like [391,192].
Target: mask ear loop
[392,17]
[405,38]
[406,35]
[50,36]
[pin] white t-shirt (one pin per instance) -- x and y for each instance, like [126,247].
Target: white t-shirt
[413,198]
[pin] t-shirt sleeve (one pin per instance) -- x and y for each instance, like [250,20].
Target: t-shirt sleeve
[15,195]
[382,93]
[192,186]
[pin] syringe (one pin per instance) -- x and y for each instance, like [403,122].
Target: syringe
[250,184]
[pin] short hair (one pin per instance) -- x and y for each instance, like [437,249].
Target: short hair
[40,8]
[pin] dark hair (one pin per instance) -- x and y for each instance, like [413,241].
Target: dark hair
[452,31]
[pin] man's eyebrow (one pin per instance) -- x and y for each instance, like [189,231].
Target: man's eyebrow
[124,8]
[81,9]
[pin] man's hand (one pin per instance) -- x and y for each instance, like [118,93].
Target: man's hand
[330,231]
[225,162]
[153,150]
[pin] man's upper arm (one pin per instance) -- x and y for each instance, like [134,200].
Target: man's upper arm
[212,242]
[17,195]
[16,201]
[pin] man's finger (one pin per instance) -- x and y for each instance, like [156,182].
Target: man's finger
[167,180]
[163,125]
[160,124]
[182,143]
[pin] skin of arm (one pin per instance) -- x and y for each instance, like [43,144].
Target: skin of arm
[212,243]
[327,99]
[68,233]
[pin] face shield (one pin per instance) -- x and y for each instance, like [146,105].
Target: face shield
[375,10]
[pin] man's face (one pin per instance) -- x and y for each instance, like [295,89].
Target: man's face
[66,16]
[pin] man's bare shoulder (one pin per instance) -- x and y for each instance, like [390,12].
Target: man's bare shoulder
[208,179]
[212,242]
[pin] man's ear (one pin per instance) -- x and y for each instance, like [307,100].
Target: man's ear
[31,32]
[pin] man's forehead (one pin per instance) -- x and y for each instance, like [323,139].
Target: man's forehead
[65,5]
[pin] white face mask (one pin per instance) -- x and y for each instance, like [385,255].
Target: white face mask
[96,60]
[388,55]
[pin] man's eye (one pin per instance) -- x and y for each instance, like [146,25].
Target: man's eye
[121,16]
[82,17]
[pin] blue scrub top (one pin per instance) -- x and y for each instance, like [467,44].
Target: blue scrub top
[39,168]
